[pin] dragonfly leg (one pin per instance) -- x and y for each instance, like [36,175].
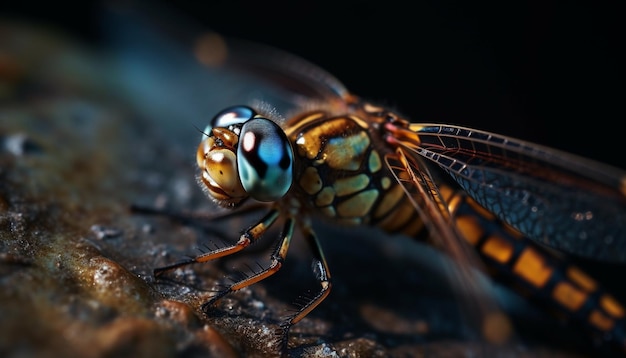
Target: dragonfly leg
[277,258]
[320,267]
[251,235]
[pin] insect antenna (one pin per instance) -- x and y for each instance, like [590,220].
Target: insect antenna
[200,130]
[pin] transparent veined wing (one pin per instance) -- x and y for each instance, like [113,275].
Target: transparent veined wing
[561,200]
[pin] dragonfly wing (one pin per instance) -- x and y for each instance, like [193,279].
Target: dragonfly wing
[189,74]
[480,309]
[570,203]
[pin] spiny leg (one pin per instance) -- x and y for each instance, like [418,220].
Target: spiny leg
[320,267]
[251,235]
[277,259]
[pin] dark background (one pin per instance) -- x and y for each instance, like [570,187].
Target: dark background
[545,71]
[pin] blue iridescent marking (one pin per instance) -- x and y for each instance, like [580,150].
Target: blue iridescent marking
[264,160]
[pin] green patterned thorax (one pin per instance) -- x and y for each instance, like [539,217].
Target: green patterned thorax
[341,174]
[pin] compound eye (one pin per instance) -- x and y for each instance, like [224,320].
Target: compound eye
[231,116]
[264,160]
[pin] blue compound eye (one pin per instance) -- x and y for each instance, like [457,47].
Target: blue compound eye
[229,117]
[264,160]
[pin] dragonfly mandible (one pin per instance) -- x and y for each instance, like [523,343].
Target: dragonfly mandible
[324,151]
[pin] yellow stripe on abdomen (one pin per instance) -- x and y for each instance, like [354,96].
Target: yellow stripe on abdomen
[536,271]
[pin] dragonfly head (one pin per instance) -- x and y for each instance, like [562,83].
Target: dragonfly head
[243,154]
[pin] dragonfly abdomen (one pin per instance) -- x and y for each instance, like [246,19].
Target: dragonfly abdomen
[536,272]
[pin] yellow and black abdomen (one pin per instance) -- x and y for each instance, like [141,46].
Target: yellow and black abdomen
[339,172]
[534,271]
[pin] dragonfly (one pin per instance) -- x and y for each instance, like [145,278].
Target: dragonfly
[487,200]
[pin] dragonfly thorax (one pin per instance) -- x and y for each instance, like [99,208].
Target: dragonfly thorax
[340,170]
[244,155]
